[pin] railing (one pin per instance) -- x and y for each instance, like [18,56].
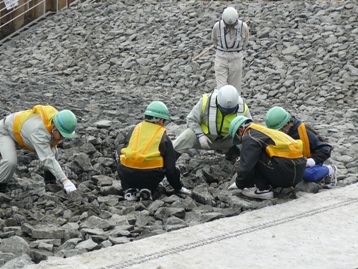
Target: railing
[23,12]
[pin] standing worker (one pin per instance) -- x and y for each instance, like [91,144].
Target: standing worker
[315,148]
[147,156]
[230,37]
[39,129]
[269,159]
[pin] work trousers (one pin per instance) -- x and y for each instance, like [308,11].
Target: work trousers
[228,71]
[278,172]
[188,140]
[8,152]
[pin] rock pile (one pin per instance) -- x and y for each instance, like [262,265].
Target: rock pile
[107,60]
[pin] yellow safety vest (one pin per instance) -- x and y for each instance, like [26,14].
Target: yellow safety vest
[142,151]
[302,132]
[46,113]
[285,146]
[215,114]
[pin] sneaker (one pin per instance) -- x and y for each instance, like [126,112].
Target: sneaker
[331,179]
[256,193]
[131,194]
[145,195]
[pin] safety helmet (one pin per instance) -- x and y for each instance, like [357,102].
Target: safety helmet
[276,118]
[228,99]
[157,109]
[66,123]
[230,15]
[235,124]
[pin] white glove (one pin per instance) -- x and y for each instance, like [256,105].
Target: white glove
[68,186]
[310,162]
[184,190]
[204,141]
[232,186]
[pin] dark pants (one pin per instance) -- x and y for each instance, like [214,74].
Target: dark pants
[144,178]
[278,172]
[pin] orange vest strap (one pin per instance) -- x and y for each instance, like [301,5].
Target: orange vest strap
[302,132]
[46,113]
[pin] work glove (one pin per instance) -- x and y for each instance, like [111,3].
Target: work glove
[68,185]
[233,186]
[184,190]
[204,141]
[310,162]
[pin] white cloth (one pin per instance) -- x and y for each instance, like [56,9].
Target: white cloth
[205,142]
[310,162]
[69,186]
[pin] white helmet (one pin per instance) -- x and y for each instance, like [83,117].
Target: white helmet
[230,15]
[228,99]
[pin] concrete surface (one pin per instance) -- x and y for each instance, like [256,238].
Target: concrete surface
[313,231]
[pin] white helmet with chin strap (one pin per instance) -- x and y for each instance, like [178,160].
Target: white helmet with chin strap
[228,99]
[230,15]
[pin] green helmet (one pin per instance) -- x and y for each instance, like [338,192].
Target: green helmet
[276,118]
[234,125]
[66,123]
[157,109]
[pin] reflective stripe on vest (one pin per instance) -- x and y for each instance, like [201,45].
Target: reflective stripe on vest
[285,146]
[45,112]
[302,132]
[213,118]
[142,151]
[222,44]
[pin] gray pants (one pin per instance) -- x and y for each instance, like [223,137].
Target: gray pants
[187,140]
[228,72]
[8,152]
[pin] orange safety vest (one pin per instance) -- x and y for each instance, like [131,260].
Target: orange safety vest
[302,132]
[46,113]
[142,151]
[284,147]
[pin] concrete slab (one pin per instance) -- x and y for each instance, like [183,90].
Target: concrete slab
[313,231]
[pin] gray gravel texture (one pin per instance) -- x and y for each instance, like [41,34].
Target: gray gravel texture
[107,60]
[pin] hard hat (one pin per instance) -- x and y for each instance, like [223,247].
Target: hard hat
[234,125]
[228,99]
[276,118]
[157,109]
[66,123]
[230,15]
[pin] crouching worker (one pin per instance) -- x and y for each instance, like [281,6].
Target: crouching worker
[148,156]
[315,147]
[39,129]
[269,159]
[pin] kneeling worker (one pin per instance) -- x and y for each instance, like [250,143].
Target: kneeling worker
[269,159]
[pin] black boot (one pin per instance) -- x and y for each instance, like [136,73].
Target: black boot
[3,187]
[49,177]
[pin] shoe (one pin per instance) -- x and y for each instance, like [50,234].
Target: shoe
[145,195]
[3,187]
[256,193]
[131,194]
[331,179]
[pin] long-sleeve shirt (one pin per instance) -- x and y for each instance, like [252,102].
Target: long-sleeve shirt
[35,136]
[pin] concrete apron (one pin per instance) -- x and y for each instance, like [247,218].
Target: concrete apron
[313,231]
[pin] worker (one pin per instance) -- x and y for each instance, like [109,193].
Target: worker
[315,147]
[269,159]
[39,129]
[230,37]
[209,121]
[147,156]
